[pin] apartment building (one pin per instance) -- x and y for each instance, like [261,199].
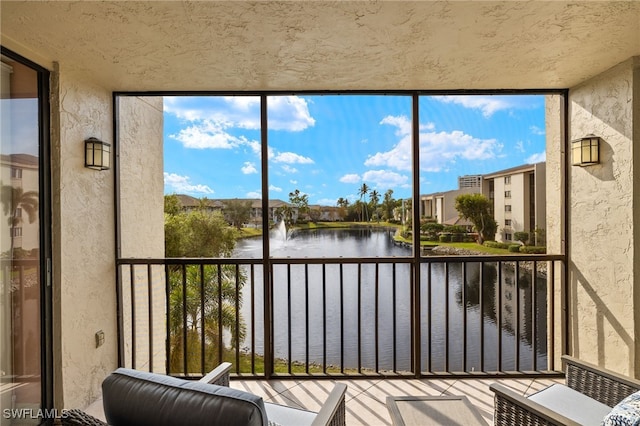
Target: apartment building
[517,195]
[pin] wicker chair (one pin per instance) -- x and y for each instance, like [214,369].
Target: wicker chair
[601,385]
[332,412]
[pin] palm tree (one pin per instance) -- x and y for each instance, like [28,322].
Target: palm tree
[364,190]
[203,307]
[14,201]
[374,198]
[342,204]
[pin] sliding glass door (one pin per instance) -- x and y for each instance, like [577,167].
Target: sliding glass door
[24,236]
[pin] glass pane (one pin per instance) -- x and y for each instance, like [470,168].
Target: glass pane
[339,170]
[20,334]
[484,149]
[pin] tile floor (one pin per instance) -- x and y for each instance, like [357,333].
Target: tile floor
[365,399]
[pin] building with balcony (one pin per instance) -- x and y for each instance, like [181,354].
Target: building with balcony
[77,68]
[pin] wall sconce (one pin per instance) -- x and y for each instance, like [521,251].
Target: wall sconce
[586,151]
[97,154]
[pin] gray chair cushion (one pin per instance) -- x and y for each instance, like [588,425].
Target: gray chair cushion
[572,404]
[134,398]
[288,416]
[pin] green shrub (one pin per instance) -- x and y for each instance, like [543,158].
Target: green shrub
[533,250]
[456,238]
[521,236]
[445,238]
[496,244]
[514,248]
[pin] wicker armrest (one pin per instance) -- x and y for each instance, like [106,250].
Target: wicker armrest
[598,383]
[511,408]
[79,418]
[219,375]
[332,412]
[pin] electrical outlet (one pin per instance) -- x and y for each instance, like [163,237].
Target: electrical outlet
[99,338]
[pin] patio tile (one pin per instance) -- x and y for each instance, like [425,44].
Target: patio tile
[365,410]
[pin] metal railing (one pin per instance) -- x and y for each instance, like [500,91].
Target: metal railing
[355,317]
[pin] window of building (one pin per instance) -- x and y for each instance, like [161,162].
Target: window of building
[507,194]
[17,231]
[507,222]
[507,180]
[507,236]
[16,173]
[507,207]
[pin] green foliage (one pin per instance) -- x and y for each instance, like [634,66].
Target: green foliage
[198,234]
[514,248]
[496,244]
[172,204]
[521,236]
[477,209]
[445,238]
[237,212]
[455,229]
[533,249]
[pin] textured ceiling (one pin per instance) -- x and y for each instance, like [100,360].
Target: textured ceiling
[303,45]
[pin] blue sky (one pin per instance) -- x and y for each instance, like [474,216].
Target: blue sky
[328,145]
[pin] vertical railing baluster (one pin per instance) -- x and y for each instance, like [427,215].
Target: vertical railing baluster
[377,317]
[394,316]
[220,309]
[341,320]
[429,318]
[517,316]
[289,318]
[324,318]
[167,307]
[446,320]
[464,316]
[184,320]
[202,318]
[499,316]
[534,306]
[551,274]
[481,300]
[306,319]
[132,278]
[150,314]
[237,306]
[359,318]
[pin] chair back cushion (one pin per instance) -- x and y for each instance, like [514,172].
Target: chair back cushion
[133,398]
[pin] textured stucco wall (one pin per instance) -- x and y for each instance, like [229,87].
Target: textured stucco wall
[84,242]
[140,145]
[602,234]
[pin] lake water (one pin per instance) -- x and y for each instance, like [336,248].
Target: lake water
[328,296]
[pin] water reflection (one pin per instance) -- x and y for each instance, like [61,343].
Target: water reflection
[360,314]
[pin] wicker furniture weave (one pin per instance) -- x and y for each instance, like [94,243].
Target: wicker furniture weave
[605,386]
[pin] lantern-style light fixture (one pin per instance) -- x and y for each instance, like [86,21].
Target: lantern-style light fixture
[585,151]
[97,154]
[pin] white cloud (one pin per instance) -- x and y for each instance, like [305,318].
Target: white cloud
[536,158]
[289,113]
[537,130]
[292,158]
[274,188]
[254,194]
[289,169]
[249,168]
[519,146]
[385,178]
[207,135]
[293,182]
[488,105]
[402,124]
[437,149]
[181,184]
[350,178]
